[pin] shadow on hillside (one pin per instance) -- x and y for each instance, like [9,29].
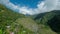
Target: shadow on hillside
[54,23]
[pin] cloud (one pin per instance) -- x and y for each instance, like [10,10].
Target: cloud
[58,5]
[40,5]
[44,6]
[48,5]
[8,4]
[23,10]
[26,10]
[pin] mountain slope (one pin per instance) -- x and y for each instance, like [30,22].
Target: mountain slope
[50,19]
[8,22]
[13,22]
[7,15]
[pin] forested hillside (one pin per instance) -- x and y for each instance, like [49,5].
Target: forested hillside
[50,19]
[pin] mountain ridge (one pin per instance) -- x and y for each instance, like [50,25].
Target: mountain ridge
[11,21]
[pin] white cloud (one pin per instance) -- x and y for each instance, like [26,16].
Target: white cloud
[44,6]
[25,10]
[48,5]
[8,4]
[40,5]
[58,5]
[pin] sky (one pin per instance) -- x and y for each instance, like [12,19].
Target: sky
[32,7]
[29,3]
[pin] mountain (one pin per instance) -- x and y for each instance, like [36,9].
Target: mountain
[13,22]
[51,19]
[7,15]
[9,24]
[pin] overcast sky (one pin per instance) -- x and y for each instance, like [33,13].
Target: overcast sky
[32,7]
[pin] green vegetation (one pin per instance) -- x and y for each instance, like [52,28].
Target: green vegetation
[44,23]
[50,20]
[28,23]
[8,24]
